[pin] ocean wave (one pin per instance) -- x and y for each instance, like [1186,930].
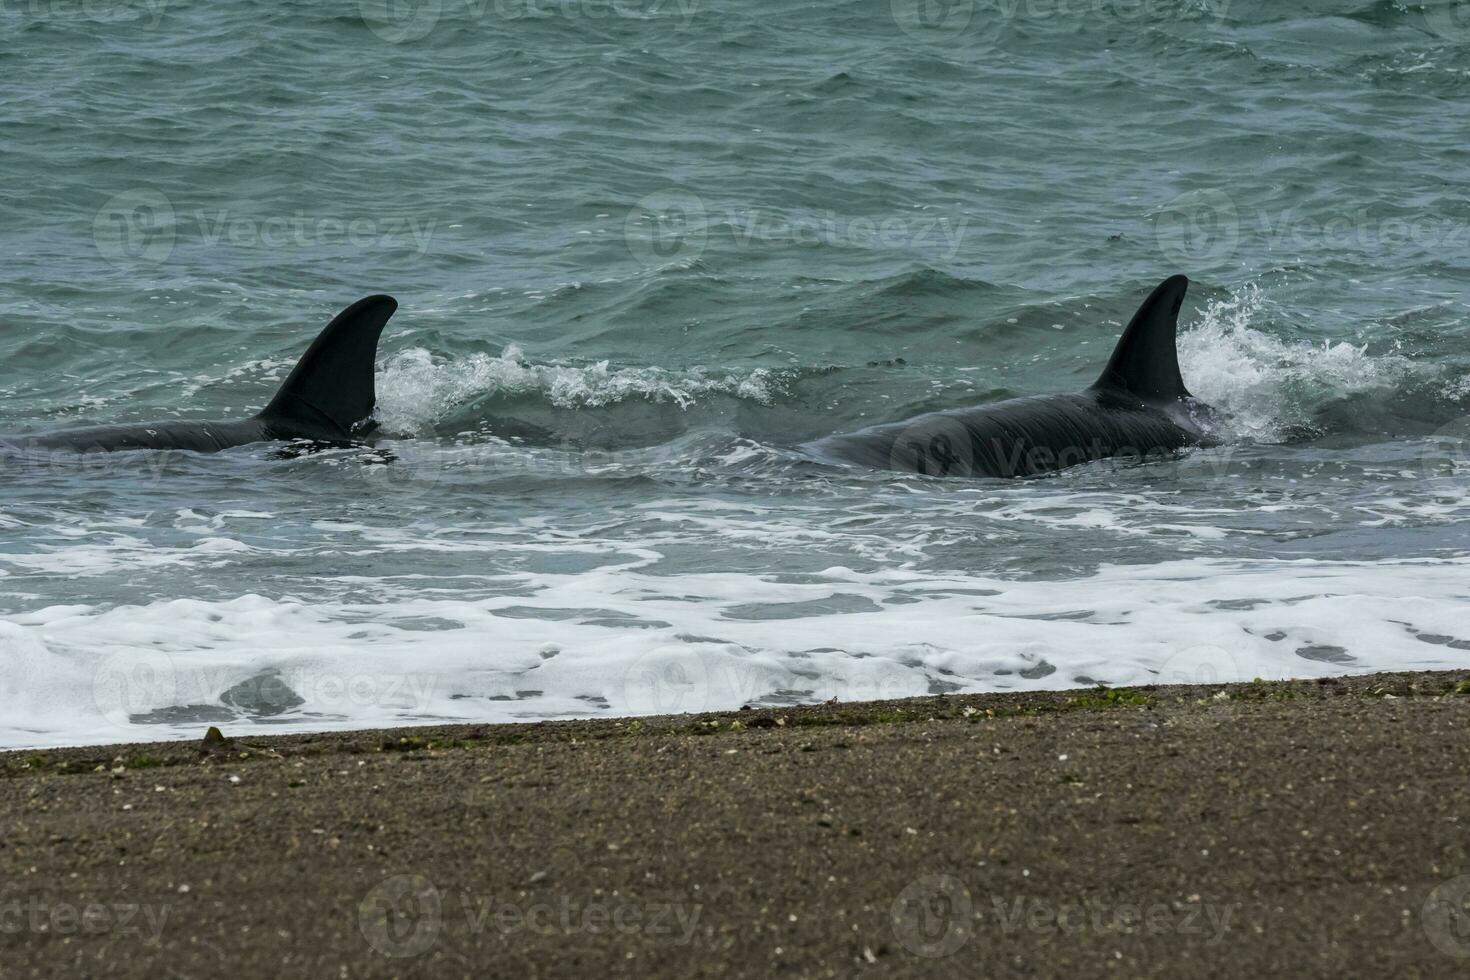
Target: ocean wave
[417,389]
[1270,388]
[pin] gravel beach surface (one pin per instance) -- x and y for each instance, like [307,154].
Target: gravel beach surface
[1310,828]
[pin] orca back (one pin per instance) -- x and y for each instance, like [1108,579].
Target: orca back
[329,396]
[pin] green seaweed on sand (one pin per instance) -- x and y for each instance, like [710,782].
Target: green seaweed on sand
[1110,697]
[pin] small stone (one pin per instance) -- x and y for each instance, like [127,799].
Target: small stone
[215,743]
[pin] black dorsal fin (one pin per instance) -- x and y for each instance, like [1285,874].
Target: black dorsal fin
[331,388]
[1146,363]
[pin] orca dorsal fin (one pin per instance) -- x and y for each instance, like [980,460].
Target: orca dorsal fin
[331,388]
[1146,362]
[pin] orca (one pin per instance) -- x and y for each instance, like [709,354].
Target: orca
[1138,407]
[328,397]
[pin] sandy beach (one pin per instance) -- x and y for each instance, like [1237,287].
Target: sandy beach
[1313,828]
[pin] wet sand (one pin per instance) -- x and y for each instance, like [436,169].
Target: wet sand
[1315,828]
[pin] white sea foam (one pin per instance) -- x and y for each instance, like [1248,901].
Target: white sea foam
[416,388]
[620,639]
[1265,384]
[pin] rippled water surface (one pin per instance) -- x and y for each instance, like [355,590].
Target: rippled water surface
[643,250]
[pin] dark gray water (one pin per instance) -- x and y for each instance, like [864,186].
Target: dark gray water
[645,248]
